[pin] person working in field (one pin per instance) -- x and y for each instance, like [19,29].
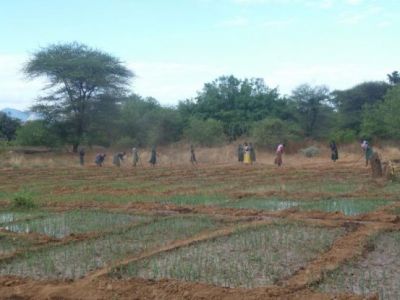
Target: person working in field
[247,157]
[279,152]
[82,156]
[99,160]
[192,156]
[118,157]
[334,151]
[153,156]
[240,153]
[135,156]
[252,153]
[367,149]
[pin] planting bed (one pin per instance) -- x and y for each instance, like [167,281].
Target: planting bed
[74,222]
[76,259]
[247,258]
[376,273]
[348,207]
[206,232]
[10,244]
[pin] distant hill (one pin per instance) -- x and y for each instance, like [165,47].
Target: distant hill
[20,115]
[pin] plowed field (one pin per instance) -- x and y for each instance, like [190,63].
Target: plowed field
[309,230]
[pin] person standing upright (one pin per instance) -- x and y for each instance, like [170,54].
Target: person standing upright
[82,156]
[279,153]
[192,156]
[334,151]
[247,157]
[153,156]
[240,153]
[135,156]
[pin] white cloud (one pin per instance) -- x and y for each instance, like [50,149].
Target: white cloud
[16,91]
[169,82]
[338,76]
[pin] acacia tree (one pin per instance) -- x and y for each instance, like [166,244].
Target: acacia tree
[78,77]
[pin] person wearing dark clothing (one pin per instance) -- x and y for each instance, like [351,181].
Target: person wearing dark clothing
[252,153]
[99,160]
[192,155]
[153,156]
[82,156]
[118,157]
[135,156]
[334,151]
[240,153]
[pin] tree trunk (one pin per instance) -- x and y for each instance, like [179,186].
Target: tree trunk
[75,148]
[376,166]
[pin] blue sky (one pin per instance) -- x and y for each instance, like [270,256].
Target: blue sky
[175,46]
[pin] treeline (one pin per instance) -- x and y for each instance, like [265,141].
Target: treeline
[94,110]
[227,109]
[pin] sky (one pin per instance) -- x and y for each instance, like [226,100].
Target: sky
[176,46]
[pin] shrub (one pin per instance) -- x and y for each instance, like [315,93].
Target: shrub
[23,199]
[310,151]
[36,133]
[208,132]
[343,136]
[272,131]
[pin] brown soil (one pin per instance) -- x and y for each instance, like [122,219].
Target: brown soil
[98,285]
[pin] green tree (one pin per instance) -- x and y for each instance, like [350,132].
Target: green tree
[390,109]
[311,103]
[349,103]
[78,76]
[272,131]
[394,78]
[37,133]
[208,132]
[146,122]
[8,126]
[235,103]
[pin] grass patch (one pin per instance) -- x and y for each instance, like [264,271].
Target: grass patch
[23,199]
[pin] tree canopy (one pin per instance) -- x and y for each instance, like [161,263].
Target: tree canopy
[78,78]
[87,101]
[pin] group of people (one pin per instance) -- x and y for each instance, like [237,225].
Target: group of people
[366,148]
[119,157]
[246,154]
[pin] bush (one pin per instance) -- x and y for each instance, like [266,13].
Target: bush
[36,133]
[310,151]
[208,132]
[344,136]
[23,199]
[272,131]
